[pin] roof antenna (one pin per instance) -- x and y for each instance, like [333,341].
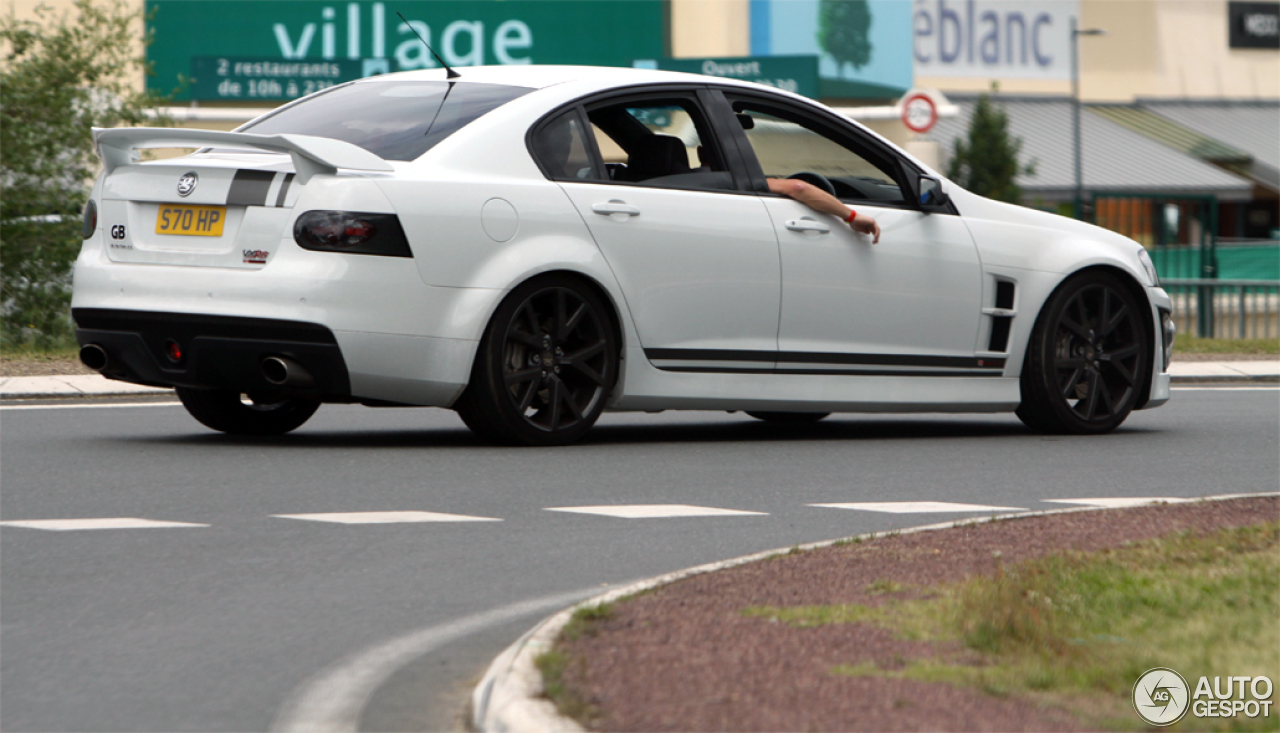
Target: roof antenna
[449,73]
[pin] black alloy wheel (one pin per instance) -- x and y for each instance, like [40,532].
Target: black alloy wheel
[1088,359]
[255,413]
[545,367]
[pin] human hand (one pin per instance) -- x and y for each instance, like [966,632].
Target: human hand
[864,224]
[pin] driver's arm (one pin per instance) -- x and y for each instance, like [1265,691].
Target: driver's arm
[819,200]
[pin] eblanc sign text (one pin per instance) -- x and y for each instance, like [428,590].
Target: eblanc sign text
[993,38]
[252,50]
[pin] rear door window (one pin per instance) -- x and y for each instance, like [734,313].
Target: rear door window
[560,147]
[661,142]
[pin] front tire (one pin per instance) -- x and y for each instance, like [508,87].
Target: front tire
[1088,358]
[263,414]
[545,367]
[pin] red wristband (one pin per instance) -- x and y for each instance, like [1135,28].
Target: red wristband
[850,217]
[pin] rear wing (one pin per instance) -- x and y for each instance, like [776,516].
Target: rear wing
[311,155]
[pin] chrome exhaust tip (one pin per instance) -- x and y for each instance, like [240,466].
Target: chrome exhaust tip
[94,356]
[285,372]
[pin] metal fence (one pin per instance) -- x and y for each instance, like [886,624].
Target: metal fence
[1229,309]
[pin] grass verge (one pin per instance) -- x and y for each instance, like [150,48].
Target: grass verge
[555,664]
[1191,345]
[1075,630]
[30,353]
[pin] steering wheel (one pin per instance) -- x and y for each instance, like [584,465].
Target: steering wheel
[816,179]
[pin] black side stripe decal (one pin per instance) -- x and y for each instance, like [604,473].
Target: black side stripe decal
[830,372]
[284,189]
[249,188]
[810,357]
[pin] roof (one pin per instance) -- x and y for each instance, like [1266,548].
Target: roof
[540,77]
[1251,126]
[1170,133]
[1116,159]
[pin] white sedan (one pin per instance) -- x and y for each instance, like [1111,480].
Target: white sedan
[531,246]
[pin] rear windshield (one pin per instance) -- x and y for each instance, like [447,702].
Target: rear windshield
[398,120]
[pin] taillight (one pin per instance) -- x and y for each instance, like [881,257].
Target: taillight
[350,231]
[90,219]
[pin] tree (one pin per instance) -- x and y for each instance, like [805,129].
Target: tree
[844,31]
[987,164]
[59,76]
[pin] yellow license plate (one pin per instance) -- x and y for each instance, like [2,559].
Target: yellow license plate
[192,221]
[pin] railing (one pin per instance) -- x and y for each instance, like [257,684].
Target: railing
[1232,309]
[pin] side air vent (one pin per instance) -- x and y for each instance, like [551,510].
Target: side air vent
[1000,332]
[1004,294]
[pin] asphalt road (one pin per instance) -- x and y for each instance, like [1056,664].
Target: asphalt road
[256,620]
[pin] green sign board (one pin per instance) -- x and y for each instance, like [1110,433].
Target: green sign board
[267,49]
[797,74]
[800,74]
[248,79]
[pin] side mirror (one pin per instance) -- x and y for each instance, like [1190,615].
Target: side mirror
[932,197]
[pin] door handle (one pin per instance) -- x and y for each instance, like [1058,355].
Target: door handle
[806,224]
[614,206]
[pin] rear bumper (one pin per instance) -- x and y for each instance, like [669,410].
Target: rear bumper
[218,352]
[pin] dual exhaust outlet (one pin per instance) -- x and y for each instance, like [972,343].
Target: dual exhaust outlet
[278,370]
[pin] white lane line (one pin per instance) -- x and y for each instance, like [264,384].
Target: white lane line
[332,700]
[112,406]
[385,517]
[653,511]
[918,507]
[63,525]
[1122,501]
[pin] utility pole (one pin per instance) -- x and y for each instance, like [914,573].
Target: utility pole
[1075,112]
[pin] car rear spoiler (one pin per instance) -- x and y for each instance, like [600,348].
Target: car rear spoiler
[311,155]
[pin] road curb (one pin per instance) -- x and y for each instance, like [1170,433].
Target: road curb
[74,386]
[508,697]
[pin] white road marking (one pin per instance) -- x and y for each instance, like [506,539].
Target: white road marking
[918,507]
[111,406]
[1119,502]
[652,511]
[385,517]
[332,700]
[62,525]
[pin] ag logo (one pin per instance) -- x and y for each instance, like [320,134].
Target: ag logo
[187,183]
[117,231]
[1160,696]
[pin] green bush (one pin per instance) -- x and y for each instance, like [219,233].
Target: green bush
[60,75]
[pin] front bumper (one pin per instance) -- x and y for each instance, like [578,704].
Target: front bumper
[217,352]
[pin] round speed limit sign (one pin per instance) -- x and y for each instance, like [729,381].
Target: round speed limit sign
[919,113]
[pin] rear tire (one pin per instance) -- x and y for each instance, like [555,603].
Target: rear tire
[546,365]
[266,413]
[1088,359]
[789,418]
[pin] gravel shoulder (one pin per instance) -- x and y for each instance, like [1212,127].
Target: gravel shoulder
[685,657]
[26,365]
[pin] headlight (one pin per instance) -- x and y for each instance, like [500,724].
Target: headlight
[1144,259]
